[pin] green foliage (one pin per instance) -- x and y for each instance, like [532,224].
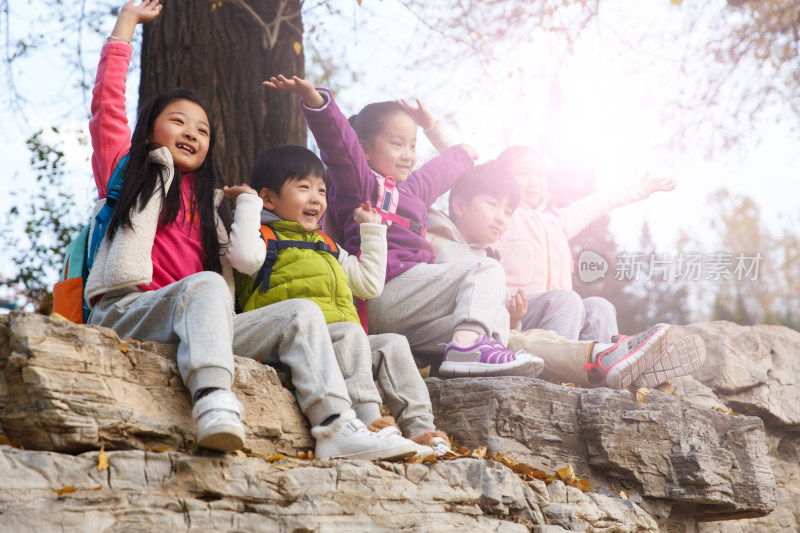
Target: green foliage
[38,228]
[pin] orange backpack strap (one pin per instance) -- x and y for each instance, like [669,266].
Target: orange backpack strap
[334,250]
[275,245]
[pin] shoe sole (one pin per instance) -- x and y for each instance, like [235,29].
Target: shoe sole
[390,454]
[622,374]
[225,438]
[529,367]
[683,357]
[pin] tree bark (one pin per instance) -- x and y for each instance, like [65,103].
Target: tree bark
[220,50]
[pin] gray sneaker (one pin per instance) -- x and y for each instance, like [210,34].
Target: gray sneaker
[683,357]
[629,357]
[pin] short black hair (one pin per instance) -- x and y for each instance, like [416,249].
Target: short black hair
[285,162]
[490,178]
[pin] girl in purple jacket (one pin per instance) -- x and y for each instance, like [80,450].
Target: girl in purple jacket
[461,304]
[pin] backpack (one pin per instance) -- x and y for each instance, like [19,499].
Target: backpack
[388,198]
[275,245]
[68,293]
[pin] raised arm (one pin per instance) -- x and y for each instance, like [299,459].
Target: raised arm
[433,129]
[246,250]
[109,130]
[366,274]
[130,16]
[576,216]
[338,143]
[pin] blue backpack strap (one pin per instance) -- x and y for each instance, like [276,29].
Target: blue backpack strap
[104,216]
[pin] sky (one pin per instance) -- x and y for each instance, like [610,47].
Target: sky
[614,88]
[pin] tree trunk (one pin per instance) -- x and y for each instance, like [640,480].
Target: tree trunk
[221,51]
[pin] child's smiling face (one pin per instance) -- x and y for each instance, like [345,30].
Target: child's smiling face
[183,128]
[393,151]
[530,173]
[300,200]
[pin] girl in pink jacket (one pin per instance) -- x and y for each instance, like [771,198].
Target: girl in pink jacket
[537,258]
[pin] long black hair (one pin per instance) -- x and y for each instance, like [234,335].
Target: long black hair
[142,179]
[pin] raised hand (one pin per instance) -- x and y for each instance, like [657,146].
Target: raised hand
[303,88]
[420,114]
[144,12]
[130,15]
[366,214]
[658,184]
[231,193]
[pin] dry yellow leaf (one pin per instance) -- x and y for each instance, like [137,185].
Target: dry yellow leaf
[666,387]
[275,457]
[65,490]
[582,485]
[102,460]
[240,453]
[282,468]
[566,473]
[623,495]
[123,347]
[297,47]
[99,487]
[641,395]
[676,2]
[58,316]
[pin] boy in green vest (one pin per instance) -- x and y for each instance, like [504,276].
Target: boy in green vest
[279,254]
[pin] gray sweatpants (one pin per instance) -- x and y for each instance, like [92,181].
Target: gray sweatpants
[386,358]
[197,314]
[428,302]
[563,311]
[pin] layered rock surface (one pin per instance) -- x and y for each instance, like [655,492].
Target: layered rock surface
[66,390]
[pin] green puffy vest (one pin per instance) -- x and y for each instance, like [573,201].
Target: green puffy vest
[301,273]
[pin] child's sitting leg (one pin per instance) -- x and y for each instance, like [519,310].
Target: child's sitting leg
[405,393]
[600,322]
[431,303]
[566,313]
[644,360]
[294,332]
[356,356]
[195,313]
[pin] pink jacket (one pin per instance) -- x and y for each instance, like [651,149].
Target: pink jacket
[176,250]
[535,251]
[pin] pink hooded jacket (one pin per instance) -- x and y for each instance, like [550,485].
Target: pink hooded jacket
[535,251]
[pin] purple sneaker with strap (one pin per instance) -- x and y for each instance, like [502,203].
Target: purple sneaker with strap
[488,357]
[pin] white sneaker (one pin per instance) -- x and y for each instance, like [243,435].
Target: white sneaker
[348,437]
[440,446]
[392,433]
[219,424]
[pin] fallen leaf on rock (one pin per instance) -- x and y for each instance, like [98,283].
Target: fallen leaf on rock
[641,395]
[102,460]
[666,387]
[66,490]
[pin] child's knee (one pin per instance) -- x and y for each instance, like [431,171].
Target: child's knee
[564,300]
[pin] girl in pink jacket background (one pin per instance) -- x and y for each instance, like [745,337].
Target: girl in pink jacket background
[537,258]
